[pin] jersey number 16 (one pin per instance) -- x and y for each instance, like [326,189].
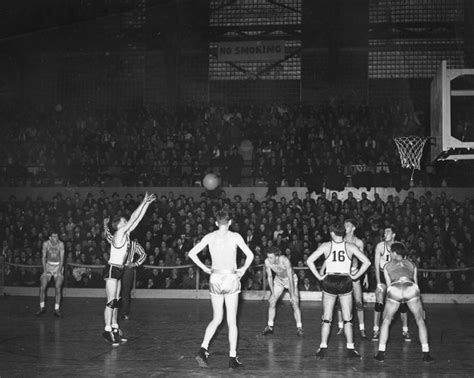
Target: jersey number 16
[338,256]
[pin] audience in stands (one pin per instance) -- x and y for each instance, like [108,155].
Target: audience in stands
[332,145]
[436,229]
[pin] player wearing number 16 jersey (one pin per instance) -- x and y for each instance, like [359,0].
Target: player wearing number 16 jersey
[337,282]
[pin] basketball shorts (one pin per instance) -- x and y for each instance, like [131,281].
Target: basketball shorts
[284,283]
[403,291]
[52,270]
[337,284]
[112,272]
[224,283]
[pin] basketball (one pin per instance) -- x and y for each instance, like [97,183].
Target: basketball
[210,181]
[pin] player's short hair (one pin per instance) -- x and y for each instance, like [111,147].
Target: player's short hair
[222,216]
[272,250]
[351,221]
[391,227]
[399,248]
[337,228]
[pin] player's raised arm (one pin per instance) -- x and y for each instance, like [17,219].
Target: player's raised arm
[322,249]
[359,255]
[139,213]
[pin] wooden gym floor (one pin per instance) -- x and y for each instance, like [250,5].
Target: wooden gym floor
[164,335]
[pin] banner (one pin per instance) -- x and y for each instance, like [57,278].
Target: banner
[251,51]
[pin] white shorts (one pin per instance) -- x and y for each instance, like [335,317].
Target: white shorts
[52,270]
[227,283]
[285,282]
[403,292]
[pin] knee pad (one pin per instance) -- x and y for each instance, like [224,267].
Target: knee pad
[348,321]
[359,306]
[378,307]
[112,304]
[403,308]
[327,321]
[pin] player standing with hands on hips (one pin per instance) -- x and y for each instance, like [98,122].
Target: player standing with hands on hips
[224,282]
[337,283]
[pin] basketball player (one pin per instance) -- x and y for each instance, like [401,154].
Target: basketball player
[337,283]
[53,263]
[350,227]
[382,257]
[129,269]
[114,268]
[285,278]
[401,278]
[224,283]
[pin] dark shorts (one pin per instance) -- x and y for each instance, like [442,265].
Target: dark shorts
[337,284]
[112,272]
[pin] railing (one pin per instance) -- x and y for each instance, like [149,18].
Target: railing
[74,271]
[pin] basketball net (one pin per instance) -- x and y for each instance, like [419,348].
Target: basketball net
[410,149]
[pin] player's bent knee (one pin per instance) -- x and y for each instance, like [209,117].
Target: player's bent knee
[112,304]
[359,306]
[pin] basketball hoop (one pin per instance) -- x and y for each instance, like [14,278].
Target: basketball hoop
[410,149]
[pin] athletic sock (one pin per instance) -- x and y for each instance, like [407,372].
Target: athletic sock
[233,353]
[350,345]
[108,328]
[270,324]
[115,325]
[42,304]
[323,345]
[425,348]
[340,324]
[362,327]
[299,325]
[405,329]
[56,306]
[382,347]
[376,328]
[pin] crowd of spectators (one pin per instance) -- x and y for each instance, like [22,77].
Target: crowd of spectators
[436,229]
[310,146]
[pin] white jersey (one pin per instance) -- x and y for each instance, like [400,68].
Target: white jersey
[119,253]
[338,261]
[385,258]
